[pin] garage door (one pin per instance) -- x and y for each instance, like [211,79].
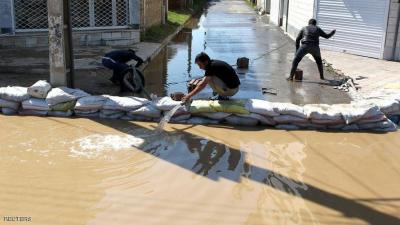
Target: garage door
[360,25]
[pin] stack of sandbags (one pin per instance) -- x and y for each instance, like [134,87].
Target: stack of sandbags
[11,98]
[167,104]
[89,106]
[36,105]
[62,100]
[117,107]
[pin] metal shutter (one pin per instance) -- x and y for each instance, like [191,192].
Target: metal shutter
[360,24]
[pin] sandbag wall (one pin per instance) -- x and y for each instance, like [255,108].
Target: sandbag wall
[43,100]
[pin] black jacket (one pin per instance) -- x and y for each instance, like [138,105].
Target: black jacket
[310,35]
[124,56]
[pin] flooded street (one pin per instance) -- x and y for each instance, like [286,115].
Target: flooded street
[79,171]
[228,30]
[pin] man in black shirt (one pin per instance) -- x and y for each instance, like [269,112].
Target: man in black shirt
[221,77]
[116,61]
[309,38]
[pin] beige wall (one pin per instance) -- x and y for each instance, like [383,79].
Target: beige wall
[151,13]
[392,44]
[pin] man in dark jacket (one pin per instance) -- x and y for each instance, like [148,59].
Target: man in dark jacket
[117,61]
[309,38]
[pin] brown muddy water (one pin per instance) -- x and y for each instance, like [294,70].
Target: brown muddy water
[80,171]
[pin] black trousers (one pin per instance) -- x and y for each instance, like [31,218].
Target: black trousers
[304,50]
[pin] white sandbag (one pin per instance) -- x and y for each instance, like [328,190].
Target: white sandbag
[373,119]
[262,119]
[39,89]
[287,127]
[261,107]
[328,121]
[30,112]
[64,94]
[35,104]
[311,126]
[241,121]
[88,111]
[288,119]
[149,111]
[16,94]
[68,113]
[201,121]
[9,111]
[383,125]
[357,110]
[137,118]
[9,104]
[323,112]
[166,103]
[90,103]
[111,114]
[88,115]
[289,109]
[180,118]
[388,106]
[215,116]
[124,103]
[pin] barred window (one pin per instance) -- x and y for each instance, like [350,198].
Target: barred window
[32,14]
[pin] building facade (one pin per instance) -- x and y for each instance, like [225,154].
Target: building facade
[364,27]
[24,23]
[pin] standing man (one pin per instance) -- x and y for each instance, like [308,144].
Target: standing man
[309,37]
[117,61]
[221,77]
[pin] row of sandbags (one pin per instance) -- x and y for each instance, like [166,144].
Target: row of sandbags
[42,100]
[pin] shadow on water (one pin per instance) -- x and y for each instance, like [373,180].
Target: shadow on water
[216,161]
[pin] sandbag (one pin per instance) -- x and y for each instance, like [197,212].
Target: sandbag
[355,111]
[88,115]
[124,103]
[166,103]
[378,126]
[179,118]
[241,121]
[288,119]
[215,116]
[9,104]
[323,112]
[64,94]
[147,111]
[31,112]
[261,107]
[16,94]
[35,104]
[311,126]
[9,111]
[388,106]
[328,121]
[39,89]
[206,106]
[201,121]
[373,119]
[64,107]
[262,119]
[90,103]
[137,118]
[111,114]
[351,127]
[87,111]
[287,127]
[289,109]
[68,113]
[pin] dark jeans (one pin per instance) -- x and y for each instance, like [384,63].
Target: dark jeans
[117,68]
[304,50]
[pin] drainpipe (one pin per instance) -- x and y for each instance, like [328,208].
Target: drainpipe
[396,35]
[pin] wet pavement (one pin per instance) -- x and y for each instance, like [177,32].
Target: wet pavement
[228,30]
[79,171]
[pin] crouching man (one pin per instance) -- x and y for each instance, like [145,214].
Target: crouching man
[221,77]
